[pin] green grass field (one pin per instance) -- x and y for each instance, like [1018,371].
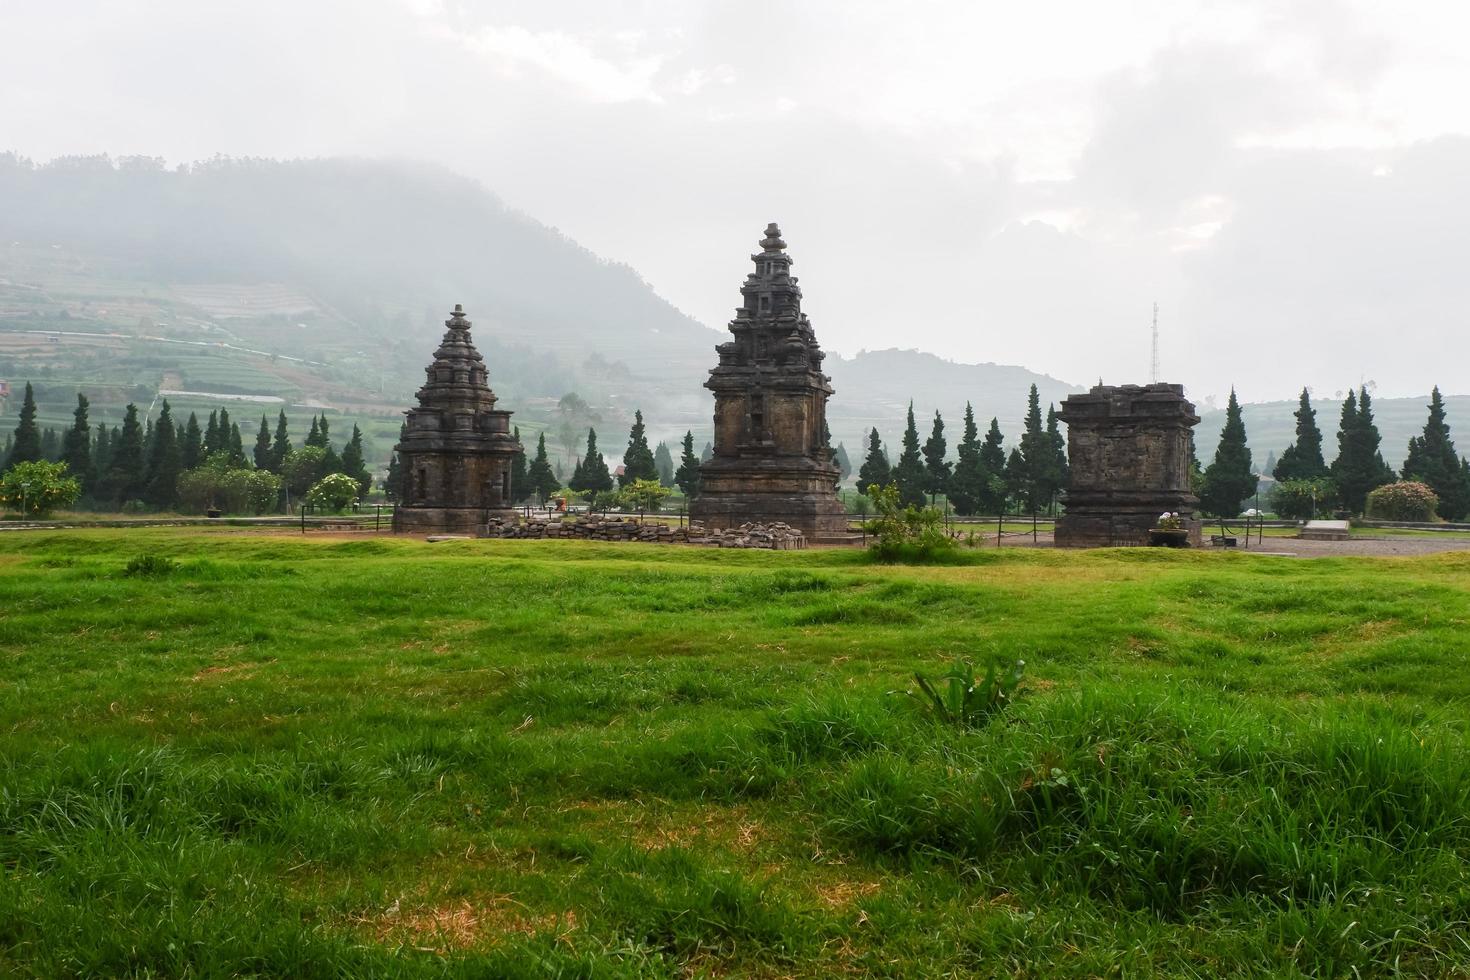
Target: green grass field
[315,757]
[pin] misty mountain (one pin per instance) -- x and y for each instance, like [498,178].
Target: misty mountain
[324,283]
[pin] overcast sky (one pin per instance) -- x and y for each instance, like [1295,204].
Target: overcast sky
[989,181]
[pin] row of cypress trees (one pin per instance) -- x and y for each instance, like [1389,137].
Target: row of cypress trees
[984,478]
[142,460]
[1358,468]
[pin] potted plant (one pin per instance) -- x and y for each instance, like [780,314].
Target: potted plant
[1169,531]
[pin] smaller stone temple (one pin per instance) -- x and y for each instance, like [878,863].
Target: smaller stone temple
[456,454]
[771,462]
[1128,451]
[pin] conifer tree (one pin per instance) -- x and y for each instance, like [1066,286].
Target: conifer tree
[212,441]
[1058,472]
[280,443]
[1302,460]
[1359,467]
[520,479]
[687,476]
[1433,460]
[937,469]
[707,454]
[593,473]
[909,473]
[541,479]
[844,463]
[101,455]
[324,434]
[1228,479]
[50,445]
[236,445]
[638,461]
[192,445]
[1038,455]
[969,479]
[127,467]
[76,450]
[314,438]
[262,453]
[393,482]
[875,470]
[663,461]
[1016,479]
[165,461]
[147,439]
[355,466]
[26,446]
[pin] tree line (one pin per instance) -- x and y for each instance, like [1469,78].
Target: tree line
[167,464]
[984,478]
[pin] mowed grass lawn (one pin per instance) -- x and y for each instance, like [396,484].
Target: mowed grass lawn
[321,758]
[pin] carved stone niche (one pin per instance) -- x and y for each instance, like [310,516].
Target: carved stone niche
[1128,451]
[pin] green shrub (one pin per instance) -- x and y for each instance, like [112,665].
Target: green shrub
[150,566]
[1403,501]
[1300,500]
[962,702]
[36,489]
[899,531]
[333,492]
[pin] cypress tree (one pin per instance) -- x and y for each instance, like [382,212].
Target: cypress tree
[875,470]
[127,468]
[314,437]
[192,445]
[26,447]
[1228,479]
[638,461]
[663,461]
[355,466]
[165,461]
[970,478]
[76,450]
[212,441]
[1038,453]
[687,476]
[281,443]
[1015,478]
[101,455]
[539,476]
[593,473]
[1433,460]
[262,453]
[1060,471]
[325,433]
[520,479]
[50,445]
[937,469]
[909,473]
[236,445]
[393,483]
[1302,460]
[1359,467]
[707,454]
[844,464]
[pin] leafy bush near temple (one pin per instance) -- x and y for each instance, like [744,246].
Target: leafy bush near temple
[36,489]
[333,493]
[1301,500]
[960,699]
[1403,501]
[904,531]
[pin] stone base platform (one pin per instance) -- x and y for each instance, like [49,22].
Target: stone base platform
[445,520]
[1326,531]
[1115,530]
[815,515]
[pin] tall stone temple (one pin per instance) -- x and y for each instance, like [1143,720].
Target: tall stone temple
[771,459]
[1128,453]
[456,454]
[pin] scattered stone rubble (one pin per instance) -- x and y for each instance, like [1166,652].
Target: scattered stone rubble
[777,536]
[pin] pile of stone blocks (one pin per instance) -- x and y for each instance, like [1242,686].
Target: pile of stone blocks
[777,536]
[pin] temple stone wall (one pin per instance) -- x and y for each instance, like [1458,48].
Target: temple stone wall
[1128,452]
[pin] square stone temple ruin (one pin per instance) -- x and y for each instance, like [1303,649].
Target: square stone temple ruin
[1128,451]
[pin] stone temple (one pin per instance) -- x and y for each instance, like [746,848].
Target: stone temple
[771,461]
[456,454]
[1128,450]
